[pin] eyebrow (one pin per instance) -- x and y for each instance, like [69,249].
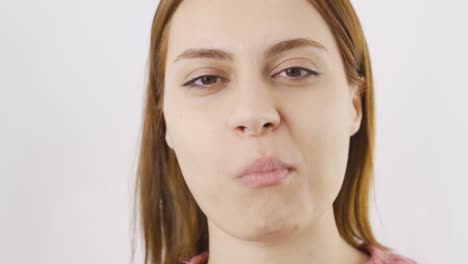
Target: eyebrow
[275,49]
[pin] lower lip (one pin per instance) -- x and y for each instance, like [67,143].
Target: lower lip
[260,179]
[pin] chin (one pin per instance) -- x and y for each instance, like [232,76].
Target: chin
[272,231]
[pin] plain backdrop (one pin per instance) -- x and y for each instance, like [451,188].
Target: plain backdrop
[72,76]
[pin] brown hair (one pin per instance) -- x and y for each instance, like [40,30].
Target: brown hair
[172,223]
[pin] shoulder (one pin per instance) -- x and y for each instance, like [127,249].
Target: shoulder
[379,256]
[376,256]
[198,259]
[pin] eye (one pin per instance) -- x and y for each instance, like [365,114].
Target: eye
[204,81]
[298,73]
[207,81]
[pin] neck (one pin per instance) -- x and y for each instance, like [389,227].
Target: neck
[319,242]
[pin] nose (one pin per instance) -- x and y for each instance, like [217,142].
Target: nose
[254,112]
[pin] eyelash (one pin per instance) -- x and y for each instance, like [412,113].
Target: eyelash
[309,73]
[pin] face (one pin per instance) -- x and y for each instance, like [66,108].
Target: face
[253,99]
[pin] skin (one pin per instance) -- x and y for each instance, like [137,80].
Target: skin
[260,109]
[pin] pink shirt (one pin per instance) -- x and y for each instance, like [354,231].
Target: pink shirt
[377,256]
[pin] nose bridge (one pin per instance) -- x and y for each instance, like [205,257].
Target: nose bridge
[254,110]
[252,91]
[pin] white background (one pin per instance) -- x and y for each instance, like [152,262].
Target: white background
[72,76]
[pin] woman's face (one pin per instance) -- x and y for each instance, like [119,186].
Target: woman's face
[256,106]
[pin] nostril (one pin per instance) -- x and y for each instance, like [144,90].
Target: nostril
[246,129]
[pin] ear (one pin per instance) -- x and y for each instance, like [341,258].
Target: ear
[169,140]
[356,109]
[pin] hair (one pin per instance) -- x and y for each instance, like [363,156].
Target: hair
[172,223]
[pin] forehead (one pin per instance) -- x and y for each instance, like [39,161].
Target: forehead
[244,27]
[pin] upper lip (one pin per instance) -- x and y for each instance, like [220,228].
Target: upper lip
[264,164]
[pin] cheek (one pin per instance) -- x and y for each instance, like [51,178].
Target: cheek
[189,126]
[195,145]
[319,121]
[322,137]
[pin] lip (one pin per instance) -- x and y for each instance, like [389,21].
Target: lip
[264,171]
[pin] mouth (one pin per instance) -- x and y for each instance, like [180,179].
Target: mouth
[265,171]
[259,179]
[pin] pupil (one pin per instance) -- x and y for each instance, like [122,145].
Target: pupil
[294,71]
[206,79]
